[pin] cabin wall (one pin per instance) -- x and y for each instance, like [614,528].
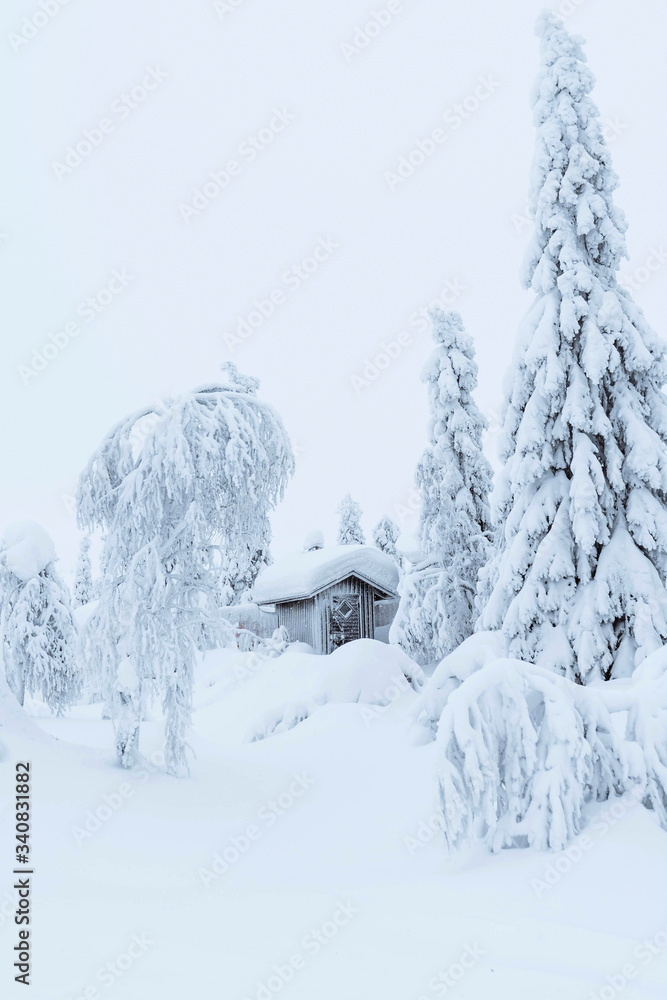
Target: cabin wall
[299,619]
[308,621]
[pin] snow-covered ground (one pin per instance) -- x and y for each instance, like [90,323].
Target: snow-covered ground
[303,865]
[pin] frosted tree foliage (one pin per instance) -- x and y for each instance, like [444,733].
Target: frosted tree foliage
[83,577]
[437,609]
[350,531]
[521,751]
[385,536]
[578,581]
[240,568]
[39,639]
[175,509]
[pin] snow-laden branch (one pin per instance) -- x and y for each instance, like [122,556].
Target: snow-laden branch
[521,751]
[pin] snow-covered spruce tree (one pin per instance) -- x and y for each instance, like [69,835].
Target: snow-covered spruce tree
[194,494]
[385,536]
[350,531]
[39,639]
[437,609]
[578,580]
[83,577]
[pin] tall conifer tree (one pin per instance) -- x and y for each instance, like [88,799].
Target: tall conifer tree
[578,580]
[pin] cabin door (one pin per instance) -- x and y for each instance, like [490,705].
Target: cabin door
[344,620]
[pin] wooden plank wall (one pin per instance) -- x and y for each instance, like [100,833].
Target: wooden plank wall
[306,621]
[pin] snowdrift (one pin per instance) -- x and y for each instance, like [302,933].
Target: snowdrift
[273,694]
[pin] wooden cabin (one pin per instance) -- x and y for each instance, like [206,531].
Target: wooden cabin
[329,596]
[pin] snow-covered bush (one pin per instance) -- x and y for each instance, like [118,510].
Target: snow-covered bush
[83,577]
[578,582]
[437,609]
[241,568]
[385,536]
[39,639]
[350,531]
[521,752]
[191,497]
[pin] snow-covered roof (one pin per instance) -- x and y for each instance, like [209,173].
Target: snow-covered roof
[304,574]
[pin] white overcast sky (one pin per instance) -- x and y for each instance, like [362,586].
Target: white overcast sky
[322,177]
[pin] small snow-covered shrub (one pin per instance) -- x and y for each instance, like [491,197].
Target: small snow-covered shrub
[521,752]
[37,630]
[350,531]
[83,577]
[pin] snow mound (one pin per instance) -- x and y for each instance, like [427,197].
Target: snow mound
[28,549]
[362,672]
[273,695]
[303,574]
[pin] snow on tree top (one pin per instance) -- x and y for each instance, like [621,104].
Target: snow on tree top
[304,574]
[29,549]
